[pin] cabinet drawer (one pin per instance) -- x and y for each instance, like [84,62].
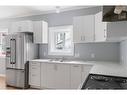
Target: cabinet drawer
[35,79]
[35,64]
[34,74]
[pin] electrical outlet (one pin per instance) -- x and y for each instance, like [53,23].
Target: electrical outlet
[92,55]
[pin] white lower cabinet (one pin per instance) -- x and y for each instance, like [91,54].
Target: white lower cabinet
[85,69]
[50,79]
[43,75]
[34,74]
[75,76]
[57,76]
[62,79]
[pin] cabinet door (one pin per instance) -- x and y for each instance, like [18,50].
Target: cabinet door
[58,76]
[88,28]
[34,74]
[26,26]
[21,26]
[117,29]
[51,74]
[85,69]
[43,75]
[75,76]
[40,29]
[100,28]
[78,30]
[14,28]
[83,29]
[62,76]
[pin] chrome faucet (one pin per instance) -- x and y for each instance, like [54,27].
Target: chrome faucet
[62,59]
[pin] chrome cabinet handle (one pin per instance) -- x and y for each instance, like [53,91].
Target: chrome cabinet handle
[81,38]
[75,65]
[104,32]
[33,75]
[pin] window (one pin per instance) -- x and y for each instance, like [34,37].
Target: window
[3,33]
[60,40]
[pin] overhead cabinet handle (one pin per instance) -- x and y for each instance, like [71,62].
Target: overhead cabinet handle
[104,32]
[82,38]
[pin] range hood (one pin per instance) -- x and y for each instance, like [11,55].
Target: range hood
[114,13]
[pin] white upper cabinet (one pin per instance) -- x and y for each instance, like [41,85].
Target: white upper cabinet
[109,31]
[83,29]
[40,29]
[21,26]
[100,28]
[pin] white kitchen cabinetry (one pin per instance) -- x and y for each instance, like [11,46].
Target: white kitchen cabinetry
[109,31]
[43,75]
[83,29]
[40,29]
[58,76]
[21,26]
[51,74]
[85,69]
[35,74]
[62,76]
[75,76]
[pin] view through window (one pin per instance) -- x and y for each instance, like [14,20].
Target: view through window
[3,33]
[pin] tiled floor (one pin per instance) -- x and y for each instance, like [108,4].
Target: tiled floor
[3,84]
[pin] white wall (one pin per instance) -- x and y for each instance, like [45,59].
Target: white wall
[2,66]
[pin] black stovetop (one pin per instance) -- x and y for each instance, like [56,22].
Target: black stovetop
[95,81]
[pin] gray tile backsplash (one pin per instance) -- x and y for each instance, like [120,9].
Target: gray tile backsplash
[101,51]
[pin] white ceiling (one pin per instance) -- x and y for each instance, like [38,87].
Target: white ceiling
[21,11]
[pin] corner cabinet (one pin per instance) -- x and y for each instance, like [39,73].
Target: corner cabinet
[79,74]
[21,26]
[40,29]
[109,31]
[83,29]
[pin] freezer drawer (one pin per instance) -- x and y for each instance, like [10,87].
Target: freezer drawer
[15,78]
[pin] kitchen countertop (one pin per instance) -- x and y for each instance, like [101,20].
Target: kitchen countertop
[109,68]
[99,67]
[65,62]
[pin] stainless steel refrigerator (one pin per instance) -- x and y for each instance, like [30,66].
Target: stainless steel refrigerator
[19,50]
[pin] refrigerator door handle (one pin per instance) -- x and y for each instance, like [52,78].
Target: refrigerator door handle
[13,51]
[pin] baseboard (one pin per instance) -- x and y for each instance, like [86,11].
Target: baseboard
[2,75]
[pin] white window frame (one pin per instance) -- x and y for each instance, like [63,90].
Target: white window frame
[51,42]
